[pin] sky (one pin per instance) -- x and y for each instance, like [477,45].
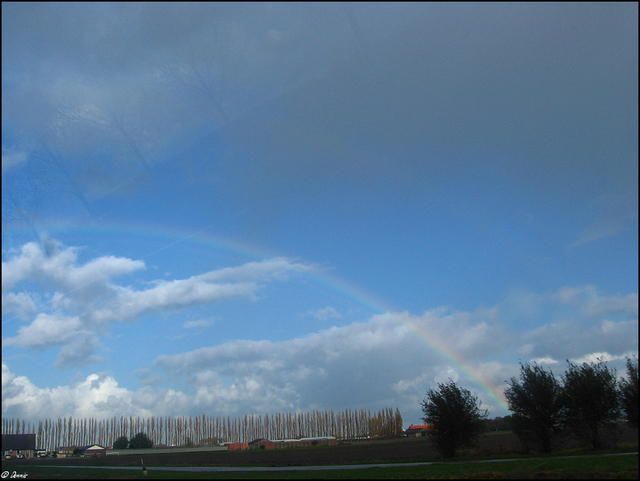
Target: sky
[254,208]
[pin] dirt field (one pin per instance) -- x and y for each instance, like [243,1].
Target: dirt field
[404,449]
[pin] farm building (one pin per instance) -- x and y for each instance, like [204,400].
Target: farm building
[261,443]
[318,441]
[18,445]
[66,450]
[417,430]
[305,442]
[93,450]
[237,446]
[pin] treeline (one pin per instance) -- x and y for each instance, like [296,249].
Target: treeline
[206,430]
[386,424]
[586,404]
[498,424]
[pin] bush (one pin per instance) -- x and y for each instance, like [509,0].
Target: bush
[140,441]
[591,399]
[629,393]
[455,417]
[537,406]
[121,443]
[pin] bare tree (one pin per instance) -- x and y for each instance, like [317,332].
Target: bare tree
[455,416]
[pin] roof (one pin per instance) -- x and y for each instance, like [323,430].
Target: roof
[92,447]
[255,441]
[18,441]
[415,429]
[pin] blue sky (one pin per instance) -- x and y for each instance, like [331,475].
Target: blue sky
[249,208]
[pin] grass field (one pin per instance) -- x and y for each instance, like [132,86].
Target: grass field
[510,463]
[598,467]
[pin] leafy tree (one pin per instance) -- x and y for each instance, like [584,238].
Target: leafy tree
[591,399]
[121,443]
[536,402]
[629,393]
[455,416]
[140,441]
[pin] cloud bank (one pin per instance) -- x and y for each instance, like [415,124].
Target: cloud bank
[388,359]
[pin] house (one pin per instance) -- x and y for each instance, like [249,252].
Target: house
[19,445]
[93,450]
[261,443]
[305,442]
[66,450]
[318,441]
[237,446]
[417,430]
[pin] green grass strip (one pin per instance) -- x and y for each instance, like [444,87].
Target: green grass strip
[599,467]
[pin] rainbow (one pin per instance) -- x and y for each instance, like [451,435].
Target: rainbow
[430,339]
[76,235]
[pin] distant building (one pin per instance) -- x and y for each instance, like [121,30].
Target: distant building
[67,450]
[19,445]
[305,442]
[261,443]
[237,446]
[93,450]
[417,430]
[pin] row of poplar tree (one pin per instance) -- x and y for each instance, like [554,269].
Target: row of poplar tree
[208,430]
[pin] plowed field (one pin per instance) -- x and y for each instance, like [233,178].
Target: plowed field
[404,449]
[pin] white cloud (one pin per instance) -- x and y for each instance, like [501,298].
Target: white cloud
[369,364]
[572,339]
[96,396]
[12,157]
[325,314]
[595,357]
[592,304]
[570,322]
[199,324]
[46,330]
[618,211]
[79,351]
[130,304]
[390,360]
[362,363]
[85,300]
[20,303]
[544,360]
[50,261]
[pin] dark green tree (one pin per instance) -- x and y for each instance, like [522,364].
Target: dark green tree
[140,441]
[536,402]
[121,443]
[592,402]
[629,393]
[455,416]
